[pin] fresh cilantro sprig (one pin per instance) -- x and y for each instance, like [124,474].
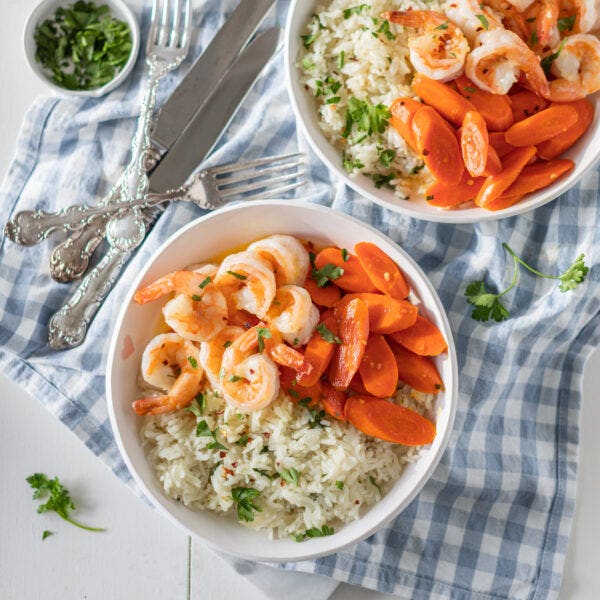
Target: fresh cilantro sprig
[489,306]
[203,430]
[547,61]
[327,334]
[326,273]
[58,500]
[82,45]
[366,117]
[243,498]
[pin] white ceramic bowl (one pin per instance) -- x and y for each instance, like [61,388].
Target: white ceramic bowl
[585,153]
[45,10]
[210,236]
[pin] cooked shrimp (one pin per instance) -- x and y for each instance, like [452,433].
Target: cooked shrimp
[546,24]
[586,11]
[293,314]
[199,309]
[495,65]
[521,5]
[577,68]
[249,280]
[249,379]
[440,49]
[472,18]
[170,363]
[211,352]
[287,256]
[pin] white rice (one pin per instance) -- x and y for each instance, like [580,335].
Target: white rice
[375,68]
[280,437]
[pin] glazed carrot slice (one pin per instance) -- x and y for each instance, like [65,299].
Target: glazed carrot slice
[289,385]
[378,369]
[532,178]
[322,296]
[319,352]
[388,421]
[357,385]
[504,202]
[437,144]
[494,108]
[560,143]
[493,165]
[386,314]
[474,143]
[354,278]
[499,143]
[353,322]
[445,196]
[403,110]
[334,402]
[542,126]
[496,185]
[423,338]
[448,102]
[525,104]
[418,372]
[382,270]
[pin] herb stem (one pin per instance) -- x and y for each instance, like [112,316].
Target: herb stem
[80,525]
[528,267]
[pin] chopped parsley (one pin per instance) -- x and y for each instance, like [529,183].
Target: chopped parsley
[46,534]
[237,275]
[312,533]
[262,333]
[309,39]
[204,283]
[266,473]
[243,498]
[443,26]
[345,255]
[566,23]
[307,65]
[200,406]
[290,475]
[203,430]
[227,344]
[386,157]
[235,378]
[385,29]
[196,298]
[339,485]
[327,334]
[243,441]
[341,60]
[365,117]
[193,362]
[484,21]
[382,180]
[374,483]
[349,164]
[326,273]
[355,10]
[416,169]
[547,61]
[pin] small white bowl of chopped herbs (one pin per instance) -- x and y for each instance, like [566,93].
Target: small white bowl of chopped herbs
[81,48]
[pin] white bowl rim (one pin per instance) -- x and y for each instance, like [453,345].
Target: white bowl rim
[41,11]
[329,542]
[467,215]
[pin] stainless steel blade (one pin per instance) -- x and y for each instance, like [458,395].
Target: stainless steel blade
[207,72]
[206,128]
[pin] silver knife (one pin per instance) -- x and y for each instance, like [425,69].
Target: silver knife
[69,325]
[70,258]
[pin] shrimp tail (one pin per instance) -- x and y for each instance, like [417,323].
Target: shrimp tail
[413,18]
[154,405]
[289,357]
[155,290]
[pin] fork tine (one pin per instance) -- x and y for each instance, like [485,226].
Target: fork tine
[275,191]
[174,37]
[187,26]
[163,34]
[233,167]
[153,23]
[222,182]
[258,185]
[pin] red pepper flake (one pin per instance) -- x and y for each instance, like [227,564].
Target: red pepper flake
[222,454]
[357,502]
[234,465]
[228,472]
[267,434]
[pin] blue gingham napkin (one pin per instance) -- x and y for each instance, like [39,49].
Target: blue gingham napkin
[494,520]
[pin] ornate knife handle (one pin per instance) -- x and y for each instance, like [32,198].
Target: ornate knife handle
[69,325]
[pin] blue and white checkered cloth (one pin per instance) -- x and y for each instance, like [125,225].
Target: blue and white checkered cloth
[493,522]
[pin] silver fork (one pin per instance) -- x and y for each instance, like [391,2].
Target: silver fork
[208,189]
[168,45]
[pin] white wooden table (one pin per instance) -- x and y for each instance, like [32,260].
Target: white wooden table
[142,555]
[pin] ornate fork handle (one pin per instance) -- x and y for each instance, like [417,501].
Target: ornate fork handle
[32,227]
[69,325]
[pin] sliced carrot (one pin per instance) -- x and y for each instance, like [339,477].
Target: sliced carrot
[388,421]
[354,278]
[474,143]
[289,385]
[322,296]
[444,195]
[533,177]
[423,338]
[504,202]
[319,352]
[525,104]
[437,144]
[378,369]
[542,126]
[495,185]
[448,102]
[334,402]
[495,108]
[499,143]
[418,372]
[403,110]
[357,385]
[353,322]
[493,165]
[386,314]
[563,141]
[382,270]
